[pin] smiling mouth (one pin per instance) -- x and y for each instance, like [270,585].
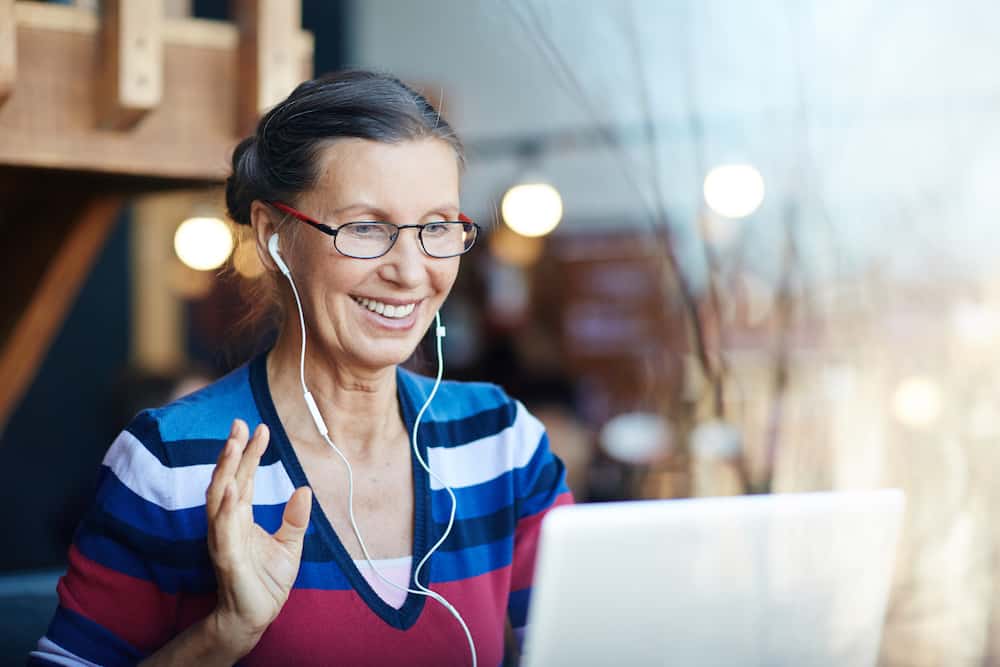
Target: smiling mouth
[385,309]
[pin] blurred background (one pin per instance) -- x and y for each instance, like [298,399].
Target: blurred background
[732,248]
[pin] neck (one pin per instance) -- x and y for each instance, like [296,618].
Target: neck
[359,405]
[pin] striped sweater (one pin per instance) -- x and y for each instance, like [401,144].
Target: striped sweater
[139,570]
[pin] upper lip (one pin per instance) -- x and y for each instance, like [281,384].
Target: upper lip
[387,301]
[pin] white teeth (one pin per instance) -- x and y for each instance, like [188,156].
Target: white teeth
[386,310]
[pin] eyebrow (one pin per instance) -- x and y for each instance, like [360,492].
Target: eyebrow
[382,213]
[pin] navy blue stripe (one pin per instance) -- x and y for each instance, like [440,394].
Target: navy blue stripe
[181,453]
[546,484]
[517,607]
[478,530]
[90,641]
[174,545]
[168,579]
[458,432]
[145,429]
[176,553]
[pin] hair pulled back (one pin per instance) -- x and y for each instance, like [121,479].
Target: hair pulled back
[279,161]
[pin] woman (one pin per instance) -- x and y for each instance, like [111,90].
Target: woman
[209,545]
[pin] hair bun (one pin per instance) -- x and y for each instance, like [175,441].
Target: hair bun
[242,183]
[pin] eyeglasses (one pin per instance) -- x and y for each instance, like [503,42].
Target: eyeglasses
[369,240]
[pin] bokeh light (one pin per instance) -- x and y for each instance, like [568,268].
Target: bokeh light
[734,190]
[532,209]
[917,402]
[203,243]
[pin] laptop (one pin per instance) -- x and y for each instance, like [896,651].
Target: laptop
[791,579]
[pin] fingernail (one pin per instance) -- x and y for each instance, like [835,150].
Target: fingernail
[232,431]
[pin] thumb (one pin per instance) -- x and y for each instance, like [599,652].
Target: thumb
[295,518]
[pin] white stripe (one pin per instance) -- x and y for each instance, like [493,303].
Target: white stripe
[487,458]
[50,651]
[184,487]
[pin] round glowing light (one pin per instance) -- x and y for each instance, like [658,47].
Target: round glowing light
[203,243]
[637,437]
[917,402]
[734,190]
[532,209]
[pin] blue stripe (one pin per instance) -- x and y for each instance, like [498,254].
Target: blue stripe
[208,413]
[454,400]
[490,496]
[470,532]
[472,562]
[324,576]
[517,606]
[456,432]
[473,501]
[90,641]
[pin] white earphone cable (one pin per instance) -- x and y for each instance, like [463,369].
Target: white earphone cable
[321,426]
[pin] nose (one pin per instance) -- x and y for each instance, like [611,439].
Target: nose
[404,264]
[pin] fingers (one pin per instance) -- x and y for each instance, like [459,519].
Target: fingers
[250,461]
[225,466]
[295,519]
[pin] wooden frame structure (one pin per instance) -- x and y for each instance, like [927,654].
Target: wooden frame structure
[94,108]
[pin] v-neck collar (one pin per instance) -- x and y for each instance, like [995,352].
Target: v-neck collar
[404,617]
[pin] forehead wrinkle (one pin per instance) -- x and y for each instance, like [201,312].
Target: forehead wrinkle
[371,183]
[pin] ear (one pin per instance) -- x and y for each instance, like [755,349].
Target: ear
[264,220]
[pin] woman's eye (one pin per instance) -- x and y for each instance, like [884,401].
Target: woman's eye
[362,229]
[437,228]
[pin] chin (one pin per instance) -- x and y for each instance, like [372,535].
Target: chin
[385,356]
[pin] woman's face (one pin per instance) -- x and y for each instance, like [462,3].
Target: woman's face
[411,182]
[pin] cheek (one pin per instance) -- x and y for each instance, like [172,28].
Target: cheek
[444,276]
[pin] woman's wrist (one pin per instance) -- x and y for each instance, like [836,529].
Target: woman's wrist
[228,635]
[214,641]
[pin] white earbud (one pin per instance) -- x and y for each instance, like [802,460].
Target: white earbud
[272,249]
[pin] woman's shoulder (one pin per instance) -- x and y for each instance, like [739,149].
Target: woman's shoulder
[189,430]
[455,399]
[475,416]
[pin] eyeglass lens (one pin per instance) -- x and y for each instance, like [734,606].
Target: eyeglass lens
[373,239]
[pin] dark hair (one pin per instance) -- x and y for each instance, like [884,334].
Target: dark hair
[278,161]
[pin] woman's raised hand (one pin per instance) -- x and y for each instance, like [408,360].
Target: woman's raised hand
[254,569]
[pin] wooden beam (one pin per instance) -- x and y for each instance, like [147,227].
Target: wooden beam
[27,345]
[270,62]
[131,78]
[51,121]
[8,48]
